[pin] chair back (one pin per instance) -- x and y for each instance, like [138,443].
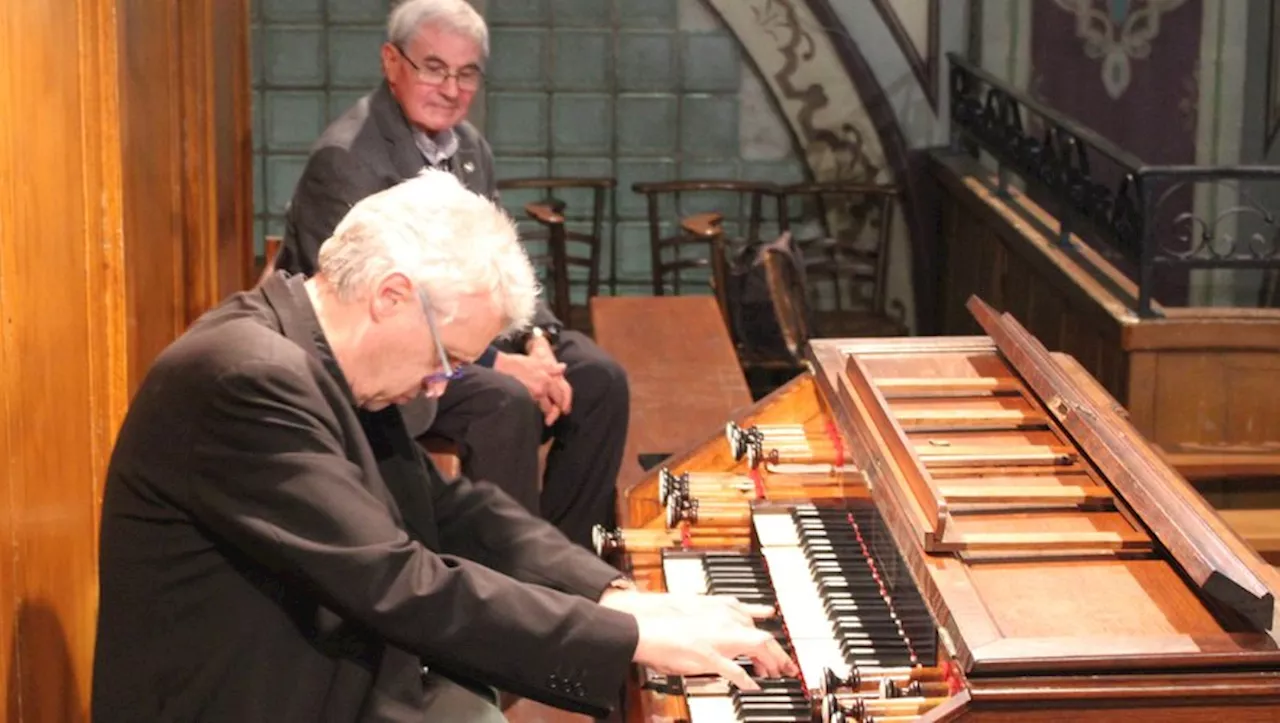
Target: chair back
[569,214]
[698,224]
[843,230]
[789,293]
[271,249]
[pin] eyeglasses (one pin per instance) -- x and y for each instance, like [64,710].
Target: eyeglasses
[433,72]
[448,371]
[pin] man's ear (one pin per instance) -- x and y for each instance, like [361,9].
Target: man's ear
[394,294]
[388,57]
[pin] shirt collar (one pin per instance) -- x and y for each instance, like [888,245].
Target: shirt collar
[438,148]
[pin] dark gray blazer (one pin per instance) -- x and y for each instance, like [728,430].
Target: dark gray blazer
[367,149]
[271,554]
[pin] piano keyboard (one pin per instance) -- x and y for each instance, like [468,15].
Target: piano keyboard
[838,605]
[742,575]
[779,700]
[839,612]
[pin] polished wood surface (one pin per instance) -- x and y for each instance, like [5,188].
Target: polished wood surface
[681,366]
[185,140]
[1204,548]
[1199,382]
[1048,613]
[63,352]
[94,231]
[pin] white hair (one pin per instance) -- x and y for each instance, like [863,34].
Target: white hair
[450,241]
[457,15]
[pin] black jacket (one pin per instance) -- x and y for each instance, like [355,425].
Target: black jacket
[270,553]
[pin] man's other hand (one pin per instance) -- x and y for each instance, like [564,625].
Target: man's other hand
[545,382]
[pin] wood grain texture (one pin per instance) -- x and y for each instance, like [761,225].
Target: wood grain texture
[1206,550]
[92,266]
[187,180]
[681,366]
[63,363]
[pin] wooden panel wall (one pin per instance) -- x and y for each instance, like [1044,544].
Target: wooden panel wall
[63,363]
[151,146]
[95,253]
[187,148]
[1007,265]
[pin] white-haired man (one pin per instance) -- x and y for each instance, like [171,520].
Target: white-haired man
[541,383]
[276,548]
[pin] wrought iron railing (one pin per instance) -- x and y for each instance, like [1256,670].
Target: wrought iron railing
[1148,218]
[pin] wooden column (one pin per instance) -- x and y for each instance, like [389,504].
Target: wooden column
[124,211]
[187,149]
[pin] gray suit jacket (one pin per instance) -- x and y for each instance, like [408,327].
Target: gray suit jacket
[271,554]
[367,149]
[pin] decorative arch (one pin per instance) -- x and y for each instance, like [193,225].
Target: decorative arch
[842,120]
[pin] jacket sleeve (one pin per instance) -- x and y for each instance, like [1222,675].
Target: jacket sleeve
[479,521]
[333,181]
[275,479]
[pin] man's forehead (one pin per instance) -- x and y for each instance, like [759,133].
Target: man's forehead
[447,44]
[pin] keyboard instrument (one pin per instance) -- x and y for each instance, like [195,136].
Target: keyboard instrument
[954,528]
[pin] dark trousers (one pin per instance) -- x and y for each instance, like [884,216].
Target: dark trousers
[498,427]
[447,700]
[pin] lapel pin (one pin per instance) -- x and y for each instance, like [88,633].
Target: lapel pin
[468,166]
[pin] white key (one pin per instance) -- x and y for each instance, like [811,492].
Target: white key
[775,529]
[684,575]
[711,709]
[801,608]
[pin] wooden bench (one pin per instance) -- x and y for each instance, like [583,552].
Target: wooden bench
[682,368]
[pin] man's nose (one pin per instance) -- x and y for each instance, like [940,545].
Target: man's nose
[449,87]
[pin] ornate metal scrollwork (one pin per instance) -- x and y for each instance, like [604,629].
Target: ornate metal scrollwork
[1242,233]
[1150,216]
[996,119]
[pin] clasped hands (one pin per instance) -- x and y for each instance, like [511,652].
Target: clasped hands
[543,375]
[701,635]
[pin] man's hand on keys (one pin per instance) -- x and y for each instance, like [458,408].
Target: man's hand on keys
[701,635]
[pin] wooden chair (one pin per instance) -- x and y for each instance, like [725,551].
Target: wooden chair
[788,293]
[552,215]
[847,260]
[271,248]
[703,232]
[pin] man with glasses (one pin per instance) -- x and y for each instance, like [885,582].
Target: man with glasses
[275,547]
[544,382]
